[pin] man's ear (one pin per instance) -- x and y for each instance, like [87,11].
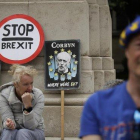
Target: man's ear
[127,53]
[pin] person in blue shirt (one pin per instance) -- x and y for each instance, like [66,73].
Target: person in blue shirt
[110,114]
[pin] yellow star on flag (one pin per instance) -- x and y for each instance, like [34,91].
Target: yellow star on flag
[51,70]
[51,56]
[74,68]
[134,26]
[62,50]
[74,56]
[123,35]
[121,42]
[69,51]
[69,73]
[56,74]
[62,75]
[55,52]
[49,63]
[76,62]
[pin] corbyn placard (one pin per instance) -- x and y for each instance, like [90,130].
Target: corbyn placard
[21,39]
[62,63]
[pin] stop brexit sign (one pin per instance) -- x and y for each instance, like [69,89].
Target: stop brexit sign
[21,39]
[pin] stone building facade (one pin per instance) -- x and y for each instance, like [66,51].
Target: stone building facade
[87,20]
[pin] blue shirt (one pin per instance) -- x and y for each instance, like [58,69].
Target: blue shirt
[109,113]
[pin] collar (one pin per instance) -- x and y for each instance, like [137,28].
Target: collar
[12,98]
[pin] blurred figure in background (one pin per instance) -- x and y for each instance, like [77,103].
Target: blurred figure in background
[113,114]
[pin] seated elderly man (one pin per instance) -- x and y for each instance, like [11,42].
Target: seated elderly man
[21,106]
[63,61]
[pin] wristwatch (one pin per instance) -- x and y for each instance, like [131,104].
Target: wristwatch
[28,109]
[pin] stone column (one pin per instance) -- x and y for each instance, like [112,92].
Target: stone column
[87,20]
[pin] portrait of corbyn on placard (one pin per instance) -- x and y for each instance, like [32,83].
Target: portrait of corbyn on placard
[63,61]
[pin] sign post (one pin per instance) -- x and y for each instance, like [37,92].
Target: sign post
[21,39]
[62,114]
[62,68]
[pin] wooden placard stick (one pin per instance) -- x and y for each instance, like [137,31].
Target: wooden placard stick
[62,114]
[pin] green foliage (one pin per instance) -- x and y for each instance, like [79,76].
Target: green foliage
[118,4]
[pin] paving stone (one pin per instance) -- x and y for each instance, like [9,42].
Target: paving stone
[86,63]
[107,63]
[97,63]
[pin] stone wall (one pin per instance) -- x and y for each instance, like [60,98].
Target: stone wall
[88,21]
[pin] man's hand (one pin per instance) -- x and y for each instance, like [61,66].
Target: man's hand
[10,124]
[27,99]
